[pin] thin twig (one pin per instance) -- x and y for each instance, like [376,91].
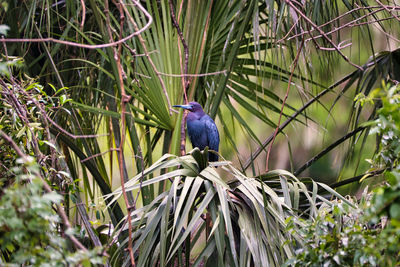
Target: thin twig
[73,136]
[194,75]
[322,33]
[284,101]
[283,39]
[185,77]
[388,10]
[351,24]
[98,154]
[124,100]
[112,44]
[339,17]
[387,35]
[185,48]
[83,14]
[52,64]
[341,45]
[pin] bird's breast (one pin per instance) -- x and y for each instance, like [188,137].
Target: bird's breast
[197,133]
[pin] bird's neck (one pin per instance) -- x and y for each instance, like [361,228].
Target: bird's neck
[195,115]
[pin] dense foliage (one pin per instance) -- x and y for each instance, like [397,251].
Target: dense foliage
[368,235]
[31,232]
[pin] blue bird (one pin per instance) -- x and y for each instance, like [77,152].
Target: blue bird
[201,129]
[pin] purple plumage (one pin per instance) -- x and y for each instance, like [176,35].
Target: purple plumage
[201,129]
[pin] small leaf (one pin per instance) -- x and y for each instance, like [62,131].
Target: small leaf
[21,132]
[395,211]
[4,29]
[48,143]
[66,174]
[52,87]
[53,197]
[64,99]
[61,89]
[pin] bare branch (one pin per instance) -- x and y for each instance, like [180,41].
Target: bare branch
[83,14]
[388,9]
[87,46]
[284,101]
[322,33]
[124,100]
[195,75]
[185,78]
[98,155]
[379,9]
[185,47]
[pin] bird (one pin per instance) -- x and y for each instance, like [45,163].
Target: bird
[201,129]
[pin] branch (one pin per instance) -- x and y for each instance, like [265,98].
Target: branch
[185,77]
[351,24]
[322,33]
[194,75]
[68,43]
[329,148]
[185,48]
[388,10]
[339,17]
[284,101]
[357,178]
[124,99]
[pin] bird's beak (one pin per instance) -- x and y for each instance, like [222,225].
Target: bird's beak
[183,106]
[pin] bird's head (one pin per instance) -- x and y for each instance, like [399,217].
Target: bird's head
[192,107]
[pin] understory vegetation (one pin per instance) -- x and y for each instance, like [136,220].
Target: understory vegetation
[95,168]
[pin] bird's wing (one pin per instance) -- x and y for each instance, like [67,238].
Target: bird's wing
[212,134]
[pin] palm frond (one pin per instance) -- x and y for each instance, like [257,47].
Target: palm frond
[248,216]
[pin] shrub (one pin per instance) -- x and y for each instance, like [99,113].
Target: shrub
[345,236]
